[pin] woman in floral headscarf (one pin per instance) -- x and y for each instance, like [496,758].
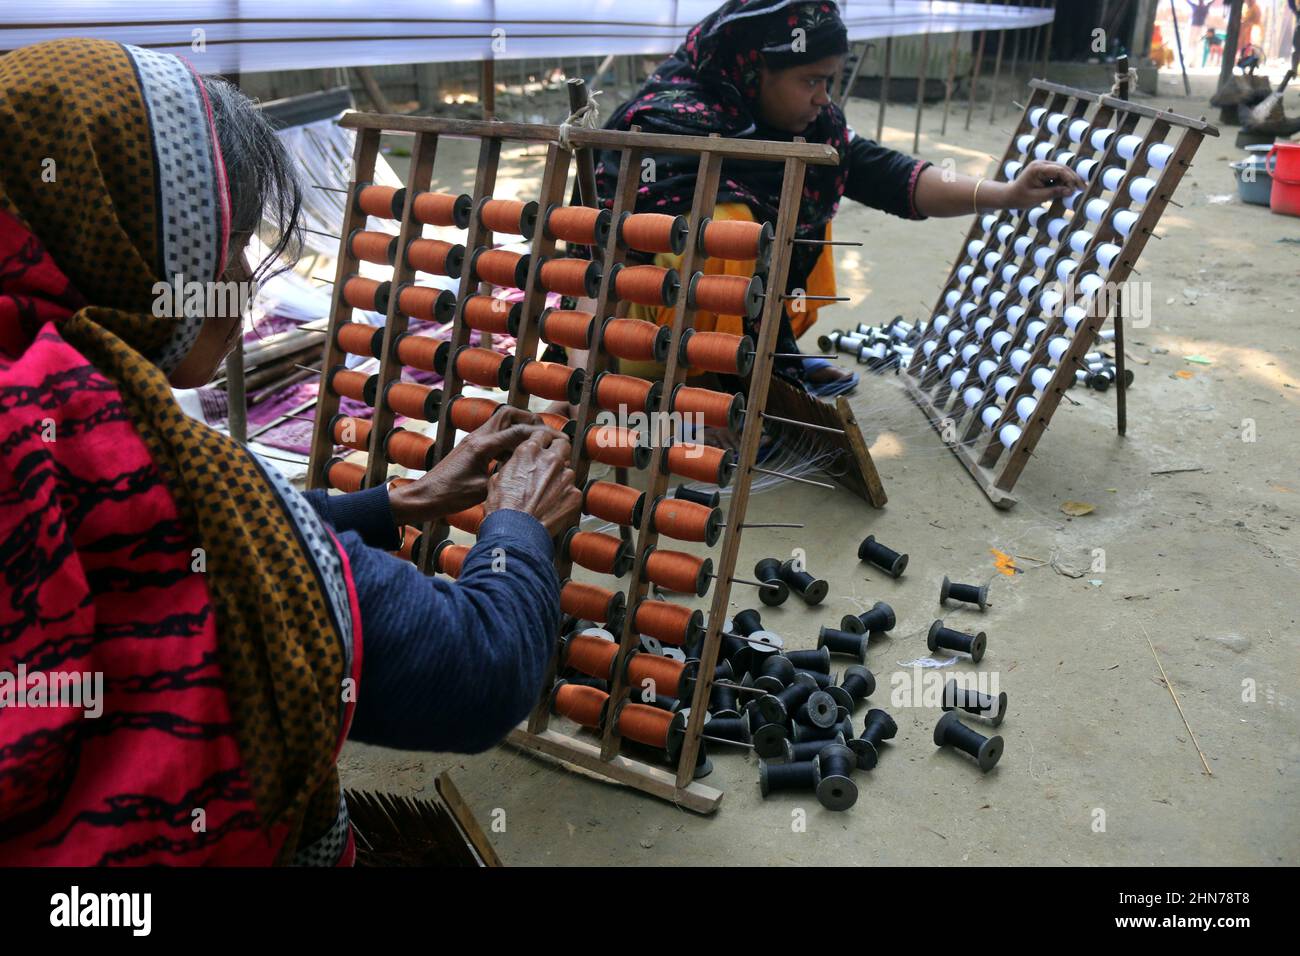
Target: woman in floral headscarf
[762,69]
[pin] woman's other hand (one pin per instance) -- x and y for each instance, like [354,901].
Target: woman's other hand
[537,480]
[1039,182]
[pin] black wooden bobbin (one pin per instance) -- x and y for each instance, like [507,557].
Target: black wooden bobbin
[888,560]
[818,660]
[747,622]
[823,680]
[812,590]
[879,727]
[876,621]
[813,732]
[832,772]
[819,710]
[729,728]
[977,594]
[769,572]
[951,732]
[858,684]
[776,674]
[797,775]
[780,706]
[709,499]
[951,640]
[770,739]
[994,709]
[843,642]
[808,749]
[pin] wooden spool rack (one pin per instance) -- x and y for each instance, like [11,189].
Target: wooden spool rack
[671,782]
[985,282]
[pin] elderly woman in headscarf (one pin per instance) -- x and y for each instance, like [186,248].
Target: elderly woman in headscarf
[763,69]
[223,614]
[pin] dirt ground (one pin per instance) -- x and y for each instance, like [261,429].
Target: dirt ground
[1099,767]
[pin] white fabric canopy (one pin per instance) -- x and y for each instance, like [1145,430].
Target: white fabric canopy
[229,36]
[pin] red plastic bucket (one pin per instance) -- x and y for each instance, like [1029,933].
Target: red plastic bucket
[1285,197]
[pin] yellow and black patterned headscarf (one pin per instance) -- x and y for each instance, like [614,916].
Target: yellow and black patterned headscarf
[109,159]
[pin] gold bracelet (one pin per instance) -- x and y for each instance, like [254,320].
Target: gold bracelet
[975,199]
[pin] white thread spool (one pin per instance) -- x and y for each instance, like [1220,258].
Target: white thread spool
[1004,231]
[1004,384]
[969,352]
[1014,315]
[991,260]
[1096,209]
[900,330]
[974,248]
[1027,285]
[1057,346]
[1107,336]
[1025,407]
[1064,268]
[1065,157]
[1077,130]
[1112,176]
[1100,137]
[956,378]
[1106,253]
[944,361]
[999,341]
[1128,145]
[1018,359]
[941,322]
[1140,188]
[965,272]
[966,309]
[1033,330]
[1158,155]
[876,351]
[1042,150]
[1009,435]
[1009,272]
[1012,169]
[1079,240]
[1041,255]
[955,336]
[952,298]
[980,284]
[1087,167]
[1072,200]
[1036,214]
[990,416]
[1124,221]
[1050,301]
[1022,244]
[1036,116]
[1055,226]
[1024,141]
[1073,316]
[1040,377]
[982,326]
[997,298]
[987,221]
[1054,122]
[1090,283]
[986,368]
[929,347]
[972,396]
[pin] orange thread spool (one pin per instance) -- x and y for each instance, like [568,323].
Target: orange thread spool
[575,277]
[598,552]
[720,409]
[581,704]
[509,216]
[671,623]
[551,380]
[377,201]
[362,293]
[489,314]
[700,463]
[480,366]
[426,302]
[568,328]
[400,482]
[679,571]
[372,246]
[720,352]
[645,285]
[451,559]
[468,413]
[344,475]
[664,671]
[736,239]
[352,432]
[501,267]
[612,445]
[725,295]
[575,224]
[552,420]
[615,391]
[590,655]
[654,232]
[409,449]
[645,724]
[686,520]
[435,257]
[587,601]
[417,351]
[617,503]
[413,400]
[349,384]
[633,339]
[409,536]
[469,520]
[358,338]
[441,209]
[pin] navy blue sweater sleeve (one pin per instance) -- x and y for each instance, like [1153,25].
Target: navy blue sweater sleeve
[455,665]
[882,178]
[368,513]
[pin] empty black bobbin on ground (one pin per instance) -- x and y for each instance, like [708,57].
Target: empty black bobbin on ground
[819,710]
[951,732]
[858,684]
[812,590]
[781,705]
[951,640]
[746,622]
[977,594]
[843,642]
[832,776]
[879,619]
[991,708]
[795,775]
[809,660]
[808,749]
[879,727]
[768,571]
[887,559]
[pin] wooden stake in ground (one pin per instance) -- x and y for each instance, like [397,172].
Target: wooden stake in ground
[1165,678]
